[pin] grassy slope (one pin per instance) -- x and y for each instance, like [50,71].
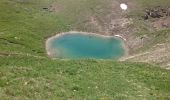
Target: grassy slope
[155,53]
[33,78]
[27,21]
[151,3]
[29,24]
[23,29]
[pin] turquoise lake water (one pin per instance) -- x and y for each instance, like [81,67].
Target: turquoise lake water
[87,46]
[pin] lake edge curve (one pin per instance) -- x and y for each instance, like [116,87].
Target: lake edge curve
[57,35]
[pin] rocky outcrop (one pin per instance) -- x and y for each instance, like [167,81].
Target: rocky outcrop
[156,12]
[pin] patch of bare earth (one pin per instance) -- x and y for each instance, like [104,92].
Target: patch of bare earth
[117,22]
[55,7]
[161,23]
[158,54]
[158,19]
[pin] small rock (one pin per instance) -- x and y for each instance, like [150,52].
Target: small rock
[145,17]
[45,8]
[156,12]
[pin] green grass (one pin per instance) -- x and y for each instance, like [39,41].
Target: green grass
[158,37]
[30,23]
[155,3]
[26,77]
[29,74]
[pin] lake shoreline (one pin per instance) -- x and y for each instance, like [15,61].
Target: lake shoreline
[51,38]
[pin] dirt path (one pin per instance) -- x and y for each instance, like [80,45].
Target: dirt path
[159,54]
[148,53]
[133,56]
[22,54]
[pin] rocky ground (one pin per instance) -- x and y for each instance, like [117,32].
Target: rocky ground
[120,22]
[156,19]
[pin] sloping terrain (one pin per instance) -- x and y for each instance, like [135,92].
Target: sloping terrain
[27,73]
[25,78]
[150,41]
